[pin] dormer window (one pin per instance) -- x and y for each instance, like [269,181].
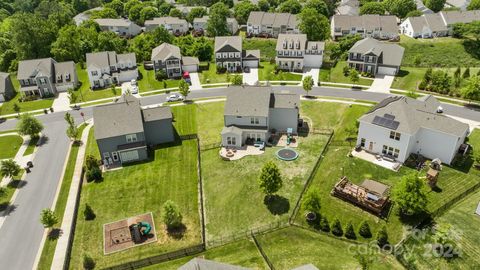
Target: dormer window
[298,45]
[59,77]
[284,44]
[67,76]
[291,44]
[314,47]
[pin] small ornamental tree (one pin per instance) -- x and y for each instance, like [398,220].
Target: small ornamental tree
[72,130]
[270,179]
[9,168]
[354,76]
[311,201]
[184,88]
[411,195]
[382,237]
[160,75]
[324,225]
[48,218]
[29,125]
[471,91]
[349,231]
[236,80]
[364,230]
[171,215]
[88,213]
[466,73]
[92,169]
[307,84]
[88,262]
[72,97]
[337,228]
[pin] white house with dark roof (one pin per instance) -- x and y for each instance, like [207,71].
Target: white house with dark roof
[173,25]
[375,57]
[107,68]
[253,113]
[375,26]
[167,57]
[294,52]
[399,126]
[122,27]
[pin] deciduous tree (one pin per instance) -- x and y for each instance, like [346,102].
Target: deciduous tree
[307,84]
[217,20]
[171,215]
[242,11]
[314,25]
[9,168]
[435,5]
[372,8]
[471,91]
[290,6]
[184,88]
[410,195]
[270,179]
[29,125]
[319,5]
[400,8]
[311,201]
[48,218]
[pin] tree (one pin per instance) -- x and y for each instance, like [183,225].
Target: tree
[16,108]
[457,78]
[29,125]
[242,10]
[290,6]
[365,260]
[319,5]
[116,5]
[410,194]
[67,46]
[372,8]
[349,231]
[324,225]
[440,82]
[339,49]
[196,12]
[72,97]
[9,168]
[382,237]
[160,75]
[184,88]
[364,230]
[270,179]
[164,8]
[88,213]
[314,25]
[148,13]
[474,5]
[171,215]
[466,73]
[311,201]
[217,20]
[307,84]
[414,13]
[134,14]
[203,49]
[354,76]
[471,91]
[48,218]
[236,80]
[109,41]
[88,262]
[400,8]
[72,130]
[175,13]
[263,5]
[337,228]
[105,13]
[435,5]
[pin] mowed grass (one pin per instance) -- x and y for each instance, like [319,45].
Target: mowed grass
[293,247]
[31,146]
[10,145]
[211,76]
[51,243]
[266,47]
[266,72]
[335,75]
[147,81]
[141,188]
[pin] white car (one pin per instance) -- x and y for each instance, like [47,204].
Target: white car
[134,89]
[174,97]
[133,82]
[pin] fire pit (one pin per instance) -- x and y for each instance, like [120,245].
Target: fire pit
[287,154]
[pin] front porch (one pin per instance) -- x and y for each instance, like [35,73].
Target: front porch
[377,159]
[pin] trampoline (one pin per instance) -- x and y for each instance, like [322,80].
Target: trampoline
[287,154]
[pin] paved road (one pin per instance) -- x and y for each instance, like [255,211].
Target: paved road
[21,233]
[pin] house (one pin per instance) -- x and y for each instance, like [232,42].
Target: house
[450,18]
[375,57]
[46,77]
[425,26]
[107,68]
[167,57]
[200,24]
[124,129]
[6,87]
[122,27]
[399,126]
[174,25]
[375,26]
[294,52]
[229,54]
[348,7]
[202,264]
[252,113]
[271,24]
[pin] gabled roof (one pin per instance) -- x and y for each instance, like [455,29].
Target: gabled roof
[232,41]
[3,78]
[433,22]
[392,53]
[251,54]
[188,61]
[248,101]
[284,101]
[157,113]
[368,22]
[291,38]
[454,16]
[165,20]
[33,68]
[120,118]
[411,115]
[165,51]
[127,57]
[274,19]
[114,22]
[101,59]
[64,68]
[202,264]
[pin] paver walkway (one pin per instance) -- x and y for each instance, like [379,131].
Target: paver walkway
[381,84]
[69,214]
[250,78]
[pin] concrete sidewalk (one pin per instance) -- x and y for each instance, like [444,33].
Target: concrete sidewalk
[69,214]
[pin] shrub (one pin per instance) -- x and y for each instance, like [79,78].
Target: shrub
[171,215]
[346,70]
[90,162]
[93,174]
[88,262]
[349,231]
[160,75]
[324,225]
[88,213]
[382,237]
[337,228]
[364,230]
[311,201]
[48,218]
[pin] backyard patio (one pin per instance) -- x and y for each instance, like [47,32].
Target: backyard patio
[377,160]
[228,153]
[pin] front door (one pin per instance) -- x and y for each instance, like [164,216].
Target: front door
[370,146]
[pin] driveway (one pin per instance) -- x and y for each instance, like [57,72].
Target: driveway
[250,78]
[311,72]
[195,81]
[127,86]
[61,103]
[381,84]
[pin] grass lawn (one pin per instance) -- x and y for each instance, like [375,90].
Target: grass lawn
[437,52]
[266,47]
[9,145]
[147,81]
[51,243]
[292,247]
[335,74]
[10,189]
[266,72]
[86,94]
[211,76]
[31,146]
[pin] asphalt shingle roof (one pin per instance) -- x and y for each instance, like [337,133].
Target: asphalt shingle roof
[392,53]
[30,68]
[233,41]
[248,101]
[157,113]
[165,51]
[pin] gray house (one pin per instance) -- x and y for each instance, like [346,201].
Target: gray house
[6,87]
[271,24]
[370,25]
[253,113]
[167,57]
[122,27]
[229,54]
[375,57]
[46,77]
[123,130]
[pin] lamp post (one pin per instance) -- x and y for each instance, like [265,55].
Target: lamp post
[83,116]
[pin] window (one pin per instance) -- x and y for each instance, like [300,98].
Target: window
[94,73]
[131,138]
[394,135]
[362,142]
[106,155]
[115,156]
[231,140]
[390,151]
[254,120]
[384,149]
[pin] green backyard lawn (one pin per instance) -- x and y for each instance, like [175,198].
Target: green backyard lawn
[266,47]
[266,72]
[335,75]
[147,81]
[9,145]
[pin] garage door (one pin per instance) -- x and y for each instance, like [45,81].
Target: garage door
[387,70]
[250,63]
[190,68]
[129,156]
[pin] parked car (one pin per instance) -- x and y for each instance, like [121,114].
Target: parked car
[186,75]
[133,82]
[175,97]
[134,89]
[188,80]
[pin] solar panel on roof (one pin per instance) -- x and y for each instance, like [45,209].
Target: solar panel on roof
[389,116]
[385,122]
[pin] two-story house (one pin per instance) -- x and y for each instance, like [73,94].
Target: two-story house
[107,68]
[294,52]
[124,130]
[122,27]
[6,87]
[425,26]
[229,54]
[46,77]
[174,25]
[375,26]
[450,18]
[271,24]
[253,113]
[399,126]
[167,57]
[200,24]
[375,57]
